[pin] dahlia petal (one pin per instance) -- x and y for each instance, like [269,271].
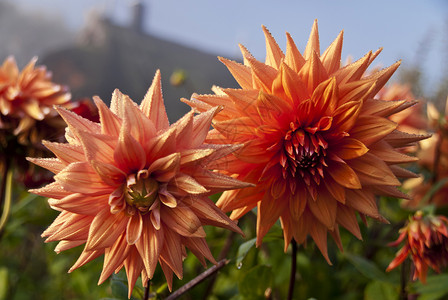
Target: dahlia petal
[105,229]
[343,174]
[401,255]
[75,121]
[75,227]
[336,235]
[318,232]
[168,274]
[110,122]
[134,267]
[54,165]
[114,257]
[165,168]
[325,97]
[399,139]
[201,126]
[67,153]
[293,57]
[274,54]
[189,184]
[80,204]
[85,257]
[52,190]
[363,202]
[293,85]
[336,190]
[370,129]
[346,217]
[402,172]
[331,58]
[287,231]
[381,77]
[152,105]
[383,108]
[110,174]
[150,245]
[324,208]
[129,154]
[134,229]
[166,198]
[155,216]
[65,245]
[200,249]
[346,115]
[32,108]
[297,204]
[161,144]
[140,127]
[10,66]
[171,252]
[313,43]
[80,177]
[217,181]
[262,75]
[184,129]
[98,147]
[313,72]
[269,210]
[350,148]
[196,156]
[353,71]
[182,220]
[373,171]
[241,73]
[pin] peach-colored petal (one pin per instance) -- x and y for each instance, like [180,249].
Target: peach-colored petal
[105,229]
[152,105]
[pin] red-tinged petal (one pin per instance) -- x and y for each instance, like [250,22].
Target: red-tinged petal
[155,217]
[325,97]
[381,77]
[318,232]
[98,147]
[297,204]
[274,54]
[241,73]
[105,229]
[399,258]
[85,257]
[217,182]
[65,245]
[167,198]
[52,190]
[331,58]
[150,246]
[75,121]
[129,154]
[293,85]
[350,148]
[196,156]
[324,208]
[67,153]
[171,252]
[293,57]
[343,174]
[182,220]
[363,202]
[168,274]
[80,204]
[80,177]
[263,75]
[152,105]
[346,217]
[313,72]
[54,165]
[161,144]
[134,229]
[110,122]
[165,168]
[373,171]
[312,47]
[75,227]
[114,257]
[370,129]
[353,71]
[200,249]
[201,126]
[189,184]
[346,115]
[110,174]
[269,210]
[134,267]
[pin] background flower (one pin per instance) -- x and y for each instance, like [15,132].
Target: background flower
[134,188]
[317,143]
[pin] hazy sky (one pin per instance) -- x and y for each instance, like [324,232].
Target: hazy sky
[407,29]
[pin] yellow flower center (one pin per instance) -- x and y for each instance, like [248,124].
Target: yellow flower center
[142,191]
[303,154]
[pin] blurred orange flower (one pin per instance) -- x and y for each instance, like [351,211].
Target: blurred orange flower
[134,188]
[425,241]
[317,143]
[410,120]
[27,115]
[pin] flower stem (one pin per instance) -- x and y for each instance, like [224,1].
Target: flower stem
[292,278]
[5,196]
[198,279]
[404,280]
[147,288]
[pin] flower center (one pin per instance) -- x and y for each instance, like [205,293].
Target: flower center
[303,154]
[142,191]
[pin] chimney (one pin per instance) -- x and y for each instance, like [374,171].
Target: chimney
[138,11]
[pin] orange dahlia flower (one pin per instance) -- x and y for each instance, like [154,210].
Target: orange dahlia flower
[410,120]
[317,144]
[134,188]
[27,116]
[425,241]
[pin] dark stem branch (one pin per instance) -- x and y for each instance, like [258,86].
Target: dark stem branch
[292,278]
[404,280]
[198,279]
[147,288]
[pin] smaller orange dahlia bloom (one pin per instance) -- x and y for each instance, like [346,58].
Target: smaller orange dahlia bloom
[410,120]
[425,241]
[136,189]
[317,144]
[27,116]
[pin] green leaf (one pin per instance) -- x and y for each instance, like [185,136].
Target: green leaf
[242,251]
[436,286]
[119,288]
[368,268]
[380,290]
[255,282]
[3,283]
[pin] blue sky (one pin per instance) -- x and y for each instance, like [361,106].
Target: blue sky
[401,27]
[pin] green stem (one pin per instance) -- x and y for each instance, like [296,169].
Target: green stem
[5,194]
[292,278]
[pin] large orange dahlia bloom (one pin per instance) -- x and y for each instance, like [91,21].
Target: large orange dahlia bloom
[317,143]
[134,188]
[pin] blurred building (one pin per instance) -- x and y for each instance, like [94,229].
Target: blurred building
[108,56]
